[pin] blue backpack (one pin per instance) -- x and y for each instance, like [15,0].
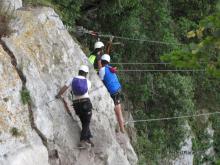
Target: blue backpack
[79,86]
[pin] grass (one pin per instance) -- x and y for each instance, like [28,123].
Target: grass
[25,96]
[15,132]
[38,3]
[217,162]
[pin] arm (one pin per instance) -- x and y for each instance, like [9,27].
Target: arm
[102,73]
[109,45]
[99,60]
[99,64]
[62,90]
[108,48]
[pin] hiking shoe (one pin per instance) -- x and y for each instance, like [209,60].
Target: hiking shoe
[84,144]
[90,142]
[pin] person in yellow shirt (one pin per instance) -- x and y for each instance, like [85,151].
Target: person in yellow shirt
[95,57]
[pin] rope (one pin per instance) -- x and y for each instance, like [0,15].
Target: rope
[171,118]
[144,63]
[50,101]
[141,40]
[147,63]
[81,29]
[168,70]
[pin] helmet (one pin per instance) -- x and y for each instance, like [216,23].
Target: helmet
[105,57]
[84,68]
[98,45]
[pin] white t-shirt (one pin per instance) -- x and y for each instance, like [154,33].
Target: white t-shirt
[86,95]
[102,73]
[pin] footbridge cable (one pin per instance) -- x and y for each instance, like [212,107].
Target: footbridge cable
[161,70]
[172,118]
[82,30]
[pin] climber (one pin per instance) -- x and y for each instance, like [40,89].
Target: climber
[81,103]
[110,79]
[95,57]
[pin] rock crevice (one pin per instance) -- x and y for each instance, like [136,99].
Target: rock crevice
[52,153]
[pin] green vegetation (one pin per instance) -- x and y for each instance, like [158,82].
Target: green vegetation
[25,96]
[217,162]
[69,10]
[204,51]
[216,126]
[38,3]
[201,142]
[159,95]
[195,24]
[15,132]
[5,18]
[164,137]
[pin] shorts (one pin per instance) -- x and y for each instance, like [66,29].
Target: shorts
[116,98]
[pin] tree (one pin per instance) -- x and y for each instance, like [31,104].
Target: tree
[203,53]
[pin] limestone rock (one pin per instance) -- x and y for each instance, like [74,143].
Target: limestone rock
[185,155]
[11,4]
[48,56]
[19,144]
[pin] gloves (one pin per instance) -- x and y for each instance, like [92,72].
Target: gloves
[113,69]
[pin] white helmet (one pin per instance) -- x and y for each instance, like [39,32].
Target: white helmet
[84,68]
[98,45]
[105,57]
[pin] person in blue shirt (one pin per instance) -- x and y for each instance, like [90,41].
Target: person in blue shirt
[110,80]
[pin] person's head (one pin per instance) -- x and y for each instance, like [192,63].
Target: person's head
[83,70]
[105,59]
[98,46]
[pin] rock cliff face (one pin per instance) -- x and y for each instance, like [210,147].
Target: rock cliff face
[11,4]
[37,58]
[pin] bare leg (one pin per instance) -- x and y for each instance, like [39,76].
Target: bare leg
[119,117]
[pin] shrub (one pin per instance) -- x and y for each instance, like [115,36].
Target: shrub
[5,18]
[15,132]
[25,96]
[38,2]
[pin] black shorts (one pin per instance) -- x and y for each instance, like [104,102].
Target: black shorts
[116,98]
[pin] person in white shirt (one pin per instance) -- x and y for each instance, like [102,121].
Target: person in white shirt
[81,102]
